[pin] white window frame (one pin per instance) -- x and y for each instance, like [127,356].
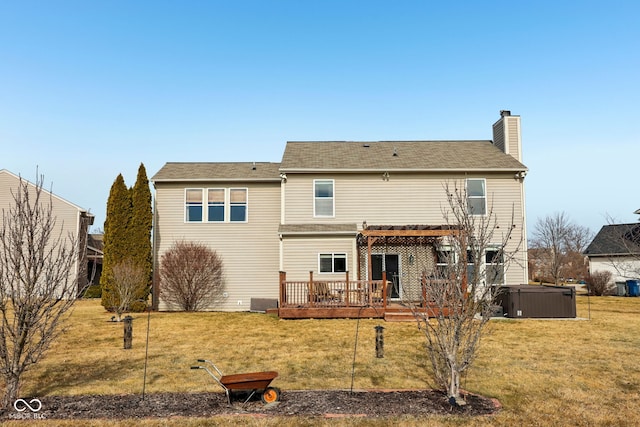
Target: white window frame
[204,205]
[489,265]
[475,197]
[468,265]
[187,205]
[333,255]
[442,266]
[332,198]
[245,204]
[224,204]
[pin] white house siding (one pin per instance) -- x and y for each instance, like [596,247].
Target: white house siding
[300,254]
[250,251]
[406,198]
[622,268]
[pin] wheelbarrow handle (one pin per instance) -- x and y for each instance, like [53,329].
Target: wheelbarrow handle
[196,367]
[201,360]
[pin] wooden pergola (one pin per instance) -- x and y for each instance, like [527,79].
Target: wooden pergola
[348,298]
[402,235]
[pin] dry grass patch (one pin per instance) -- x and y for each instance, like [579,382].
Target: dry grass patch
[544,372]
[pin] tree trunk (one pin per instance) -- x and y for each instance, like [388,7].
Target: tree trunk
[11,390]
[454,385]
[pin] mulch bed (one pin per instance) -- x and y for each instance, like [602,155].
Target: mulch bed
[314,403]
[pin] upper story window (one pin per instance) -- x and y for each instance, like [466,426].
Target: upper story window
[238,204]
[332,263]
[222,204]
[194,205]
[477,196]
[215,205]
[323,201]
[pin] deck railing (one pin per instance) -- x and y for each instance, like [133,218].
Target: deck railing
[332,293]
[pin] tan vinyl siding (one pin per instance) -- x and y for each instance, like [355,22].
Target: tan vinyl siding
[403,200]
[67,215]
[498,135]
[301,256]
[513,137]
[250,250]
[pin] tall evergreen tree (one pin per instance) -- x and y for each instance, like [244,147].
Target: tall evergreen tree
[140,234]
[116,231]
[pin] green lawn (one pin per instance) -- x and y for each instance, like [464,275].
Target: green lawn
[544,372]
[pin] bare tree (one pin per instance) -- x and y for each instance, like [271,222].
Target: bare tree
[459,291]
[559,244]
[191,276]
[38,284]
[128,279]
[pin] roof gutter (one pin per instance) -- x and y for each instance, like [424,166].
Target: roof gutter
[379,170]
[215,180]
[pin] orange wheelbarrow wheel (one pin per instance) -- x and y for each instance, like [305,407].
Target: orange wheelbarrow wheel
[270,395]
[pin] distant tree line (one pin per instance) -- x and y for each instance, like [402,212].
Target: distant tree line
[556,250]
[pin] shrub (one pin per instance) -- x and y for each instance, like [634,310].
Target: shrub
[191,276]
[600,283]
[93,291]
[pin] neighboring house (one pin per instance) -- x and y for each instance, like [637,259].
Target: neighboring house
[71,220]
[95,255]
[616,248]
[332,210]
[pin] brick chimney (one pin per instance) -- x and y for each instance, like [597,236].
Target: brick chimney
[506,134]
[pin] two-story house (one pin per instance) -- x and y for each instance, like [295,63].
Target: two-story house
[336,211]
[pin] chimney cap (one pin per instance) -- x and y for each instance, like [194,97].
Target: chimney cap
[505,113]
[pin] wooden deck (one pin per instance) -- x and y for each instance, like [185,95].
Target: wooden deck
[346,299]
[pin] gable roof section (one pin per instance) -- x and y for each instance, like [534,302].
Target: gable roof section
[616,239]
[397,156]
[210,171]
[17,178]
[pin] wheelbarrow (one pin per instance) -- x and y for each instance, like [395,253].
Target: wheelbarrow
[252,383]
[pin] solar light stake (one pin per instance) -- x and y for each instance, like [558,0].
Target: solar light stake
[379,341]
[128,332]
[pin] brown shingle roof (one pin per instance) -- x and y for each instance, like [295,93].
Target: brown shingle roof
[397,155]
[243,171]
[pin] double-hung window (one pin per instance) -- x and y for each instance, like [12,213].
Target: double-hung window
[194,205]
[238,204]
[443,263]
[332,262]
[494,267]
[215,205]
[477,196]
[323,201]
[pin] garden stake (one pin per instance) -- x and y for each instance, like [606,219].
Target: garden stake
[379,341]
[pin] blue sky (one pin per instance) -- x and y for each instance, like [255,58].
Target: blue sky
[89,90]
